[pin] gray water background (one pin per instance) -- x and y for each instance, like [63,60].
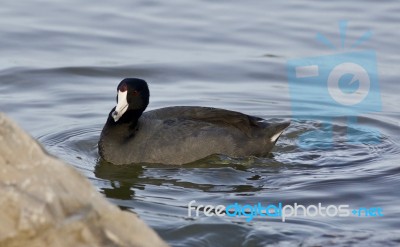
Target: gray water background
[60,62]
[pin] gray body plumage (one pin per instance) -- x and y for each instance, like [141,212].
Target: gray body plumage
[183,134]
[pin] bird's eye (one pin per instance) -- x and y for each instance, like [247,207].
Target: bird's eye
[135,92]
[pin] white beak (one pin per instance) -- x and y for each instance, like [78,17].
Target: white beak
[122,106]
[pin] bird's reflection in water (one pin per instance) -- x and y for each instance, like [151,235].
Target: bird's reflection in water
[122,178]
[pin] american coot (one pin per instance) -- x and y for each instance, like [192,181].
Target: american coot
[179,134]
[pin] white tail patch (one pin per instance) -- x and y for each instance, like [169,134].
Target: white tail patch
[276,136]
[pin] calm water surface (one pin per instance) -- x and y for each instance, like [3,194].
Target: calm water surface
[61,61]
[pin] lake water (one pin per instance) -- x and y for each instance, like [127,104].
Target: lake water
[61,61]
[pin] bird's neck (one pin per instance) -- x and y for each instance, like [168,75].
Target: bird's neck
[129,119]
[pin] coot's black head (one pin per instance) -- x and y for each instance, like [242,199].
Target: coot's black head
[132,98]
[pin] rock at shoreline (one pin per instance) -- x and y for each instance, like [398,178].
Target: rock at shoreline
[44,202]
